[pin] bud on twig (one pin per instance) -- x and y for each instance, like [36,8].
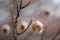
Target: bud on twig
[6,29]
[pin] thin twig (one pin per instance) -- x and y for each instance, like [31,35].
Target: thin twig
[26,28]
[20,4]
[15,23]
[56,34]
[12,12]
[18,11]
[26,5]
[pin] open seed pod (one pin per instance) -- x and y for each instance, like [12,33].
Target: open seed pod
[23,25]
[37,26]
[6,29]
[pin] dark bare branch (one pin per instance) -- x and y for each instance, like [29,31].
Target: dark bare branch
[20,6]
[18,11]
[14,23]
[26,5]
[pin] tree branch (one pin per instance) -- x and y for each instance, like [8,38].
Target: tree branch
[26,5]
[18,10]
[13,24]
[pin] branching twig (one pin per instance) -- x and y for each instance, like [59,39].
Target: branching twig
[26,5]
[20,5]
[18,11]
[56,34]
[14,23]
[26,28]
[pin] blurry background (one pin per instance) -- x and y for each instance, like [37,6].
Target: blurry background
[37,9]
